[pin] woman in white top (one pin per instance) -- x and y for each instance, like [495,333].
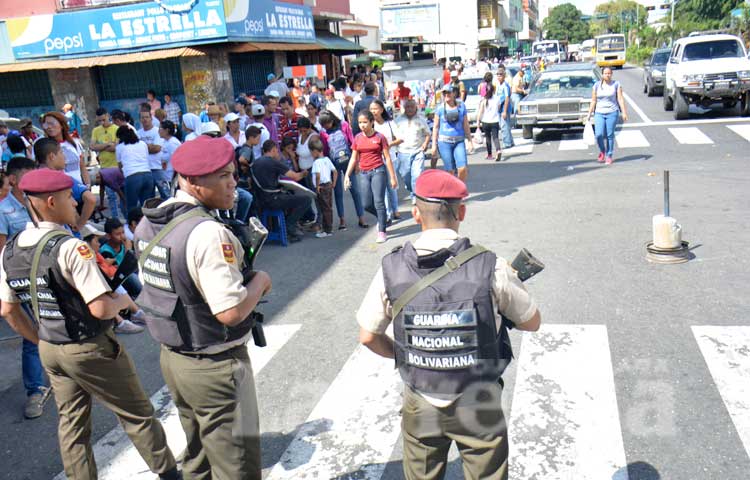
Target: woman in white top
[56,126]
[387,128]
[167,131]
[306,132]
[132,156]
[191,123]
[488,117]
[234,135]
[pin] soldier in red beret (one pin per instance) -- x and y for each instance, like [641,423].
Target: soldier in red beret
[199,308]
[445,298]
[56,275]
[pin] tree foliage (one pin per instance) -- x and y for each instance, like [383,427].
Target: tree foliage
[564,23]
[623,16]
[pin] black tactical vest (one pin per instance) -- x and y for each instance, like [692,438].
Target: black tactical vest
[177,314]
[64,315]
[446,338]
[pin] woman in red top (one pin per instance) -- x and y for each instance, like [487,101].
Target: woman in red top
[368,151]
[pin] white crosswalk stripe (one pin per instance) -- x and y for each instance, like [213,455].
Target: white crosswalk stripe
[727,354]
[354,426]
[572,141]
[631,139]
[115,455]
[564,422]
[741,130]
[690,136]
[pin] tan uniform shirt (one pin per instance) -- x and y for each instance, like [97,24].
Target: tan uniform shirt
[214,257]
[509,295]
[76,259]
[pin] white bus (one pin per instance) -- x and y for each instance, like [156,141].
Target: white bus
[552,51]
[610,50]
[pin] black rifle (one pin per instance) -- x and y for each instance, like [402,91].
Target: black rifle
[526,265]
[252,235]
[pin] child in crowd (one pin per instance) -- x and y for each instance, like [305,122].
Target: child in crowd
[289,153]
[91,236]
[324,177]
[116,247]
[134,216]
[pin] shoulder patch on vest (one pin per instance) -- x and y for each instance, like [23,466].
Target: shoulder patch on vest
[85,252]
[227,249]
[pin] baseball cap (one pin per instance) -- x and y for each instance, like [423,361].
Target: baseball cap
[210,127]
[89,230]
[231,117]
[241,100]
[257,110]
[447,88]
[270,77]
[274,93]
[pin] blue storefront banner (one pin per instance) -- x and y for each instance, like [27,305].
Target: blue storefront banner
[266,20]
[140,26]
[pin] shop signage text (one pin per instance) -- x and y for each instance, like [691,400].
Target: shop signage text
[266,20]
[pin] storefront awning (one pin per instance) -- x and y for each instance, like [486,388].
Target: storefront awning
[260,47]
[329,41]
[88,62]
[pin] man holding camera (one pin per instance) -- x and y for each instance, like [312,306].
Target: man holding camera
[199,309]
[446,298]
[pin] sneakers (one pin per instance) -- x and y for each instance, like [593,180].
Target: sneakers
[601,157]
[323,235]
[609,161]
[138,317]
[488,157]
[499,156]
[126,326]
[35,403]
[381,238]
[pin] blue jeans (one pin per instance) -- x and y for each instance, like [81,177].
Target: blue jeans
[162,182]
[139,187]
[515,99]
[372,190]
[132,284]
[453,155]
[338,192]
[31,368]
[507,133]
[244,201]
[391,195]
[604,128]
[113,202]
[411,167]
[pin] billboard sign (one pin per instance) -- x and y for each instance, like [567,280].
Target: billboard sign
[410,21]
[269,21]
[142,26]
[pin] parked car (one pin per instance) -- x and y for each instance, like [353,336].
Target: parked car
[14,124]
[653,72]
[559,97]
[704,70]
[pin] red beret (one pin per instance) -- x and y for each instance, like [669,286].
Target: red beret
[202,156]
[434,183]
[45,180]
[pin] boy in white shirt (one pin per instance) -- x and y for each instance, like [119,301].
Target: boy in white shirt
[324,177]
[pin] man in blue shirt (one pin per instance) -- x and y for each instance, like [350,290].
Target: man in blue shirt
[13,219]
[504,92]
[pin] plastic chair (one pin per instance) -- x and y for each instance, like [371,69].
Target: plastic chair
[277,234]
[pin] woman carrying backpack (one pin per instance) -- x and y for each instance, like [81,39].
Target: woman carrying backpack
[340,151]
[607,103]
[448,135]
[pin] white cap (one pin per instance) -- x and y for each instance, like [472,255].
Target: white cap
[257,110]
[231,117]
[89,230]
[210,127]
[274,93]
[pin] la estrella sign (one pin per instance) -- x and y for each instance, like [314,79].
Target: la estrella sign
[266,20]
[138,26]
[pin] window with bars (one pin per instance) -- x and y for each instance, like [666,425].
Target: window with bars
[134,79]
[249,71]
[25,89]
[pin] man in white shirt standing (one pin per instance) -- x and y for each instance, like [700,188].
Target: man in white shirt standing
[259,112]
[276,85]
[415,133]
[149,133]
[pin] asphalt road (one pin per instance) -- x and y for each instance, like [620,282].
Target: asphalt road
[626,379]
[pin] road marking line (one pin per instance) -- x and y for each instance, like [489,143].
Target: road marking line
[115,455]
[704,121]
[637,109]
[353,428]
[631,139]
[690,136]
[522,146]
[741,130]
[564,421]
[726,351]
[572,141]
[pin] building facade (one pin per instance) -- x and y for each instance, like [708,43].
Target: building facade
[531,28]
[78,52]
